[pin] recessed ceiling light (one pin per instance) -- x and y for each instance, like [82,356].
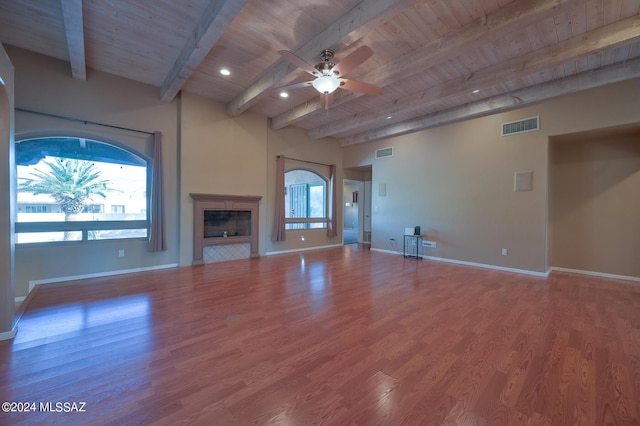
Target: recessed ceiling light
[284,95]
[389,117]
[225,71]
[476,91]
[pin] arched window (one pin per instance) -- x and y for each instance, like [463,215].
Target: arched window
[76,189]
[305,200]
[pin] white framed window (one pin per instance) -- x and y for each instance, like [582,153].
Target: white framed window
[76,189]
[305,200]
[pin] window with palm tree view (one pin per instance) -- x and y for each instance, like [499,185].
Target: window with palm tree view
[75,189]
[305,200]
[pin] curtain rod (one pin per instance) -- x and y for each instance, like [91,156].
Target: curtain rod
[304,161]
[77,120]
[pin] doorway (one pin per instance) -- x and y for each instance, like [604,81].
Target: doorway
[356,205]
[593,201]
[352,193]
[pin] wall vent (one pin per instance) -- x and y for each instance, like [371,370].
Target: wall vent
[523,181]
[521,126]
[384,152]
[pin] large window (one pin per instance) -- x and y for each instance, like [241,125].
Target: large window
[305,200]
[74,189]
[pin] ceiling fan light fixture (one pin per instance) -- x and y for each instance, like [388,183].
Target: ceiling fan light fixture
[326,84]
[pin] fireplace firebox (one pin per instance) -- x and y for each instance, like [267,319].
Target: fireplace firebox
[227,223]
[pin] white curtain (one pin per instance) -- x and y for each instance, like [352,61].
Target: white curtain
[157,237]
[279,233]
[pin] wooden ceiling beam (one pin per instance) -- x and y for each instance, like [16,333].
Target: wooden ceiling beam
[300,112]
[74,30]
[495,26]
[517,99]
[206,34]
[618,34]
[350,27]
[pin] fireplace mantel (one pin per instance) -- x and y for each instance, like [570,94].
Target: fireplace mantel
[207,202]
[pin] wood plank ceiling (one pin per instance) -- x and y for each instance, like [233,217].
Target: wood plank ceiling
[437,61]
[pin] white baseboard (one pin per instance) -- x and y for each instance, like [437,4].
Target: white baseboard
[521,271]
[386,251]
[33,283]
[6,335]
[487,266]
[596,274]
[477,265]
[269,253]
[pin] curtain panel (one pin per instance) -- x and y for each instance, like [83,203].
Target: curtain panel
[278,233]
[332,226]
[157,234]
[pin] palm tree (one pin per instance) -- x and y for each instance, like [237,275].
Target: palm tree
[71,183]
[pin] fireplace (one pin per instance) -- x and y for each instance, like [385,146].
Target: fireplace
[225,227]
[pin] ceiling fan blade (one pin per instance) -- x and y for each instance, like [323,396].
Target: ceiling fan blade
[298,62]
[295,86]
[352,60]
[326,100]
[360,87]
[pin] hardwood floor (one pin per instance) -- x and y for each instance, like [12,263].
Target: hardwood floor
[336,336]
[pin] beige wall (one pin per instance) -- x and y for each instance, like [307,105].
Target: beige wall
[225,155]
[44,84]
[456,181]
[219,155]
[294,143]
[358,175]
[7,182]
[595,203]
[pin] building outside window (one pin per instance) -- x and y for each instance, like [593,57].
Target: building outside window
[29,208]
[94,208]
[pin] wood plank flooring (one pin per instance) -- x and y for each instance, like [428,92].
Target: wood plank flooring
[338,336]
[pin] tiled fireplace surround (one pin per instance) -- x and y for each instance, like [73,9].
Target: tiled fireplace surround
[216,248]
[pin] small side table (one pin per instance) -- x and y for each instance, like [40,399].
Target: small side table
[408,249]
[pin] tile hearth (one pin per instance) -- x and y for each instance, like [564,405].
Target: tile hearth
[225,252]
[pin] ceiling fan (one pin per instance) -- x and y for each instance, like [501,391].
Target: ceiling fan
[329,76]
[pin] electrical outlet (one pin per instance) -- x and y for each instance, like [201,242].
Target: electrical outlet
[504,252]
[121,253]
[430,244]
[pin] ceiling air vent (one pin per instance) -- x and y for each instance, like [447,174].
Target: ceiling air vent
[521,126]
[384,152]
